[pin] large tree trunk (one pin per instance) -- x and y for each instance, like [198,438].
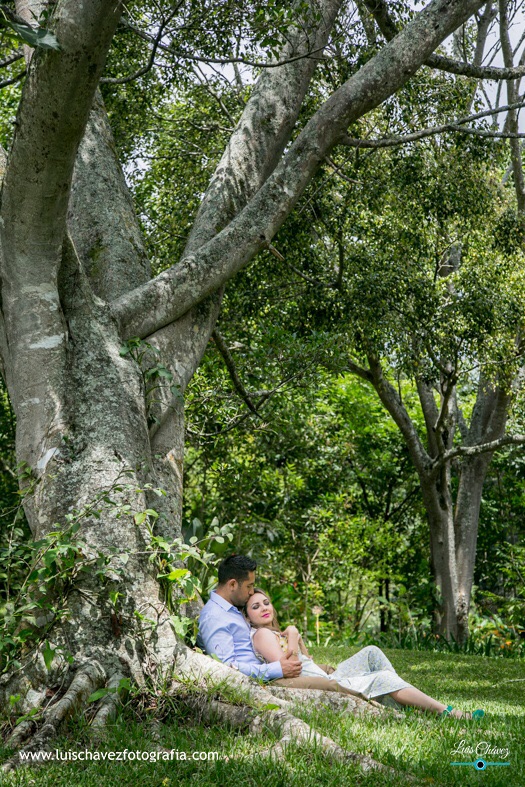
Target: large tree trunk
[453,543]
[472,479]
[488,423]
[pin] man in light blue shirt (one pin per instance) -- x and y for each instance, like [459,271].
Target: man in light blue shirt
[224,631]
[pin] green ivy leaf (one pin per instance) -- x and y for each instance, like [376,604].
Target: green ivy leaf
[49,654]
[124,684]
[35,36]
[99,693]
[177,573]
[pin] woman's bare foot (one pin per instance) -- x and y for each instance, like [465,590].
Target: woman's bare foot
[459,714]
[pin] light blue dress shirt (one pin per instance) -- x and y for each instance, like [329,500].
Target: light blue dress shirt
[223,631]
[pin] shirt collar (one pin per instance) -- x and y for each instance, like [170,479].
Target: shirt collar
[223,603]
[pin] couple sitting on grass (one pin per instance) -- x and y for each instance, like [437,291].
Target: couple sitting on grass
[239,626]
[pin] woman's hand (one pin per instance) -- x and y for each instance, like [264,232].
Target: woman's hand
[290,630]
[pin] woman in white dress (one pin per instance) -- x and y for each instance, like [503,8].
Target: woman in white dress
[368,673]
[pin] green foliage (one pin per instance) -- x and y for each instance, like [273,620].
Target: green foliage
[322,494]
[41,575]
[25,33]
[34,36]
[46,572]
[185,142]
[184,568]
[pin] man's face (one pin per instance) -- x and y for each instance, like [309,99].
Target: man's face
[241,592]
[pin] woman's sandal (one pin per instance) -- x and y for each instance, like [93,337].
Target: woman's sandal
[476,714]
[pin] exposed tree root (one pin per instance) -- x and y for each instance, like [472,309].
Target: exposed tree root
[108,706]
[200,682]
[289,727]
[285,724]
[198,670]
[89,678]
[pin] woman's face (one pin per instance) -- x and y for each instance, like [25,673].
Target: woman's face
[259,610]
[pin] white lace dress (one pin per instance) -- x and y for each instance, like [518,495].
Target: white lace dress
[368,672]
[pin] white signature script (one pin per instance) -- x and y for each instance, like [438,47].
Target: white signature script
[482,749]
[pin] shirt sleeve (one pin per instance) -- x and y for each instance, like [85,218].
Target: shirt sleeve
[218,641]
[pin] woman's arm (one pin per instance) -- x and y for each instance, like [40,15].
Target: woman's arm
[293,637]
[295,641]
[266,643]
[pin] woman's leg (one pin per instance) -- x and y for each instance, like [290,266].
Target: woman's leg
[369,659]
[415,698]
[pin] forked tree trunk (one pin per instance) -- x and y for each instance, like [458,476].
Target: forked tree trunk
[453,520]
[440,513]
[102,449]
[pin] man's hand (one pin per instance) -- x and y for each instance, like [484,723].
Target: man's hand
[291,666]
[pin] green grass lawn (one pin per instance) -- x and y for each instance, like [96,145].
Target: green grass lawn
[415,746]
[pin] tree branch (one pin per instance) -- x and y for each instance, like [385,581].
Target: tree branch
[232,370]
[359,371]
[512,117]
[389,29]
[397,509]
[337,171]
[57,97]
[11,15]
[393,404]
[476,450]
[156,41]
[430,413]
[14,79]
[456,125]
[18,55]
[84,32]
[173,292]
[101,217]
[223,61]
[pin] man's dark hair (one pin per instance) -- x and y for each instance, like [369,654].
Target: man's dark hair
[236,567]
